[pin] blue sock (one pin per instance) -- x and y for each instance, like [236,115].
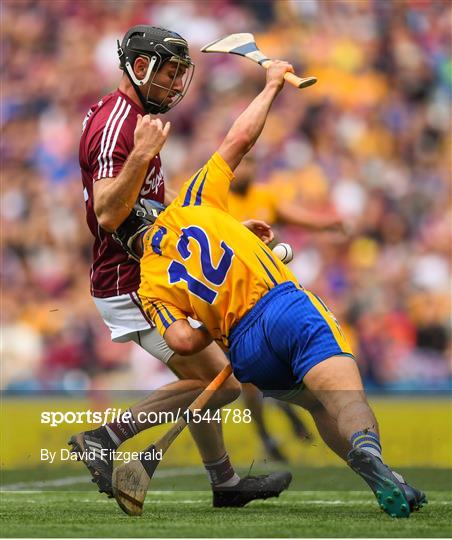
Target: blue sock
[367,440]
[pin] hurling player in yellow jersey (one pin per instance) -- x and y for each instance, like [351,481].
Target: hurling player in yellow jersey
[200,262]
[276,201]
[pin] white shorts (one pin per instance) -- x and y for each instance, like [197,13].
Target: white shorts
[125,317]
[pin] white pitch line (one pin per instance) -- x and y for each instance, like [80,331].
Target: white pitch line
[71,480]
[68,481]
[301,502]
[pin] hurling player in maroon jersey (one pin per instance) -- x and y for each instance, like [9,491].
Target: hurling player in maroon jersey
[120,164]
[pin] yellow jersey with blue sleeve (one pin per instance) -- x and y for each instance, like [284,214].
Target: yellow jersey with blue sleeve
[202,263]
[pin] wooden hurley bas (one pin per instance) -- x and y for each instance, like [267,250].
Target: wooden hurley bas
[245,45]
[131,480]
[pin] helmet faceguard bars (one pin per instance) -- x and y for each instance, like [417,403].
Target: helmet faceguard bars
[158,46]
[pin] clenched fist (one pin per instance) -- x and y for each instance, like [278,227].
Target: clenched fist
[150,135]
[276,72]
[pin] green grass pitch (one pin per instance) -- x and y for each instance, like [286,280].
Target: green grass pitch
[328,502]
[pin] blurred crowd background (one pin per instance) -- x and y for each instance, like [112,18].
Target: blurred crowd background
[371,141]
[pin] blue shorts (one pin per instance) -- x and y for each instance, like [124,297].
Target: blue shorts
[282,337]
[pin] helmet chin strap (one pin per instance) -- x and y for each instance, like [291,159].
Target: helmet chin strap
[133,77]
[141,82]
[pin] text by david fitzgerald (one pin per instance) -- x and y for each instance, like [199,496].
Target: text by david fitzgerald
[104,454]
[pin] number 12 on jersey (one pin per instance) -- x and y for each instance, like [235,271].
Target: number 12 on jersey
[214,275]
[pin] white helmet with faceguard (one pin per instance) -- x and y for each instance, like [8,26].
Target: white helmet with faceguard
[158,46]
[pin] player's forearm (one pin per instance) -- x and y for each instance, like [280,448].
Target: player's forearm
[198,340]
[185,340]
[248,126]
[114,197]
[293,214]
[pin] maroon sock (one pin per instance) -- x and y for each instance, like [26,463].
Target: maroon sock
[122,429]
[221,472]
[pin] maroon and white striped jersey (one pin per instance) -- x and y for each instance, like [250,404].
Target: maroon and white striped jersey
[106,142]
